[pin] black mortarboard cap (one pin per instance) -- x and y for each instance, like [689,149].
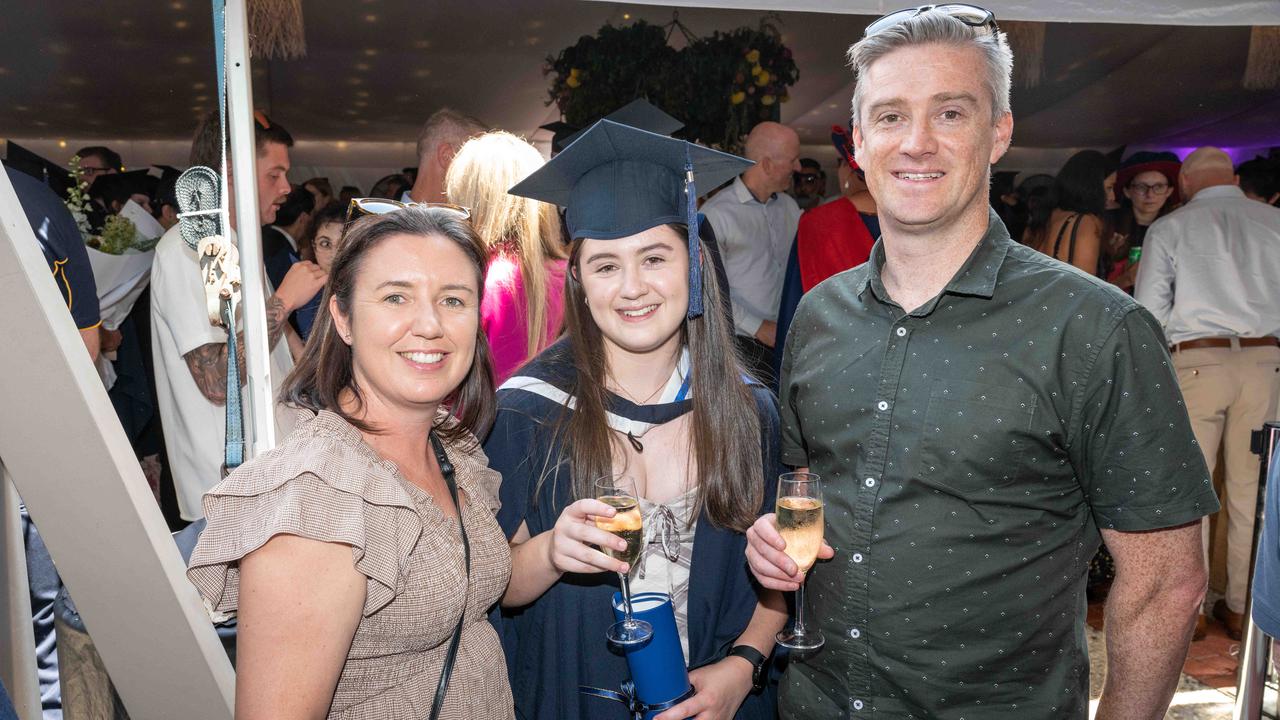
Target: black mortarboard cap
[119,186]
[560,131]
[638,113]
[641,114]
[615,181]
[52,174]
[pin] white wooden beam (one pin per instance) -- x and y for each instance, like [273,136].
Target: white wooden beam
[260,425]
[64,448]
[17,636]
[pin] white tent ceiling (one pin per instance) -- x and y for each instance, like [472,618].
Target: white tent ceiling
[127,72]
[1154,12]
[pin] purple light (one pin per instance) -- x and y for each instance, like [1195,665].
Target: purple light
[1238,154]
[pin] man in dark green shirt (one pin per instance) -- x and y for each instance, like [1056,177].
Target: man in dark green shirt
[982,415]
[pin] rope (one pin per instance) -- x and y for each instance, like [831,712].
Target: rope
[199,201]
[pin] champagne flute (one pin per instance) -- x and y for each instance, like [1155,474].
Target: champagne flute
[619,492]
[800,522]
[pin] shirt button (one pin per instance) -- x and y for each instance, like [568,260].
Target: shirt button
[855,633]
[857,704]
[882,406]
[901,331]
[857,557]
[869,482]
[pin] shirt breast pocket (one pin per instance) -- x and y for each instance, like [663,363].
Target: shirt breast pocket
[975,436]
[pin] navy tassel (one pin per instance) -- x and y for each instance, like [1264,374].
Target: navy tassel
[695,246]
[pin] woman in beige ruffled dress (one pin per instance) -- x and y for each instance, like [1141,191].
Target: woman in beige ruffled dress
[340,550]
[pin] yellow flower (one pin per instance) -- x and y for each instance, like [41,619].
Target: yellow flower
[737,97]
[575,72]
[767,99]
[756,70]
[762,79]
[753,56]
[573,81]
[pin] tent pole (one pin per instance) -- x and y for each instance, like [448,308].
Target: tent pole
[260,426]
[18,659]
[74,468]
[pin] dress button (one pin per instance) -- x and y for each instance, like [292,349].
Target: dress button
[857,557]
[869,482]
[902,331]
[882,406]
[855,633]
[857,704]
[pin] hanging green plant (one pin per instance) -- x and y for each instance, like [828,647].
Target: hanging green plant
[600,73]
[739,78]
[719,86]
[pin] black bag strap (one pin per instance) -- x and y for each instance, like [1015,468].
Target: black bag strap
[446,469]
[1074,220]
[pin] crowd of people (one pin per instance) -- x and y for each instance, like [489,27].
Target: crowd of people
[997,383]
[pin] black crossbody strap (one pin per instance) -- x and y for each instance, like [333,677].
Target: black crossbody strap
[446,469]
[1071,244]
[1062,232]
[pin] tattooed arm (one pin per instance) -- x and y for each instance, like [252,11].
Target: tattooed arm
[208,363]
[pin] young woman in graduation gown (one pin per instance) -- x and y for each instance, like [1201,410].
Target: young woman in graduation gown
[645,382]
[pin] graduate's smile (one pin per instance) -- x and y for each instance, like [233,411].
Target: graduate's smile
[638,314]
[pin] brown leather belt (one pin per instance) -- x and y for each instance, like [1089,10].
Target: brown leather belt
[1225,343]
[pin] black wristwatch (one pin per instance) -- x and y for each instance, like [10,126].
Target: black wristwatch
[758,661]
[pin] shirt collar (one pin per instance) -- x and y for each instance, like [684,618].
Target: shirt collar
[292,242]
[978,275]
[1218,191]
[743,193]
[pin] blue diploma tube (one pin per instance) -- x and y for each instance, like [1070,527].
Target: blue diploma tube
[658,668]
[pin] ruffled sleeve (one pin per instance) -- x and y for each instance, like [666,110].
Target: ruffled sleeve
[471,467]
[324,484]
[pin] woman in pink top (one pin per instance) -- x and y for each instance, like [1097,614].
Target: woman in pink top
[524,286]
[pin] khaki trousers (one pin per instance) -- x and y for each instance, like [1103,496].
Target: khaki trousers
[1230,392]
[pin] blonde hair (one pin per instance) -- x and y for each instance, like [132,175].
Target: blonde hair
[485,167]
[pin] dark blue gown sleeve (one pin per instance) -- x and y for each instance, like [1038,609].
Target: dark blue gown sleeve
[509,448]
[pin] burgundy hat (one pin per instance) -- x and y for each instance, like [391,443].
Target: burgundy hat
[1165,163]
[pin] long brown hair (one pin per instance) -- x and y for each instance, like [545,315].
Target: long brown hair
[325,369]
[724,420]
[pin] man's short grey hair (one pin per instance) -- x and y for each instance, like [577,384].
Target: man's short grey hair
[933,27]
[447,125]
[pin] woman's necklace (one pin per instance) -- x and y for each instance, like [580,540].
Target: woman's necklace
[631,438]
[633,398]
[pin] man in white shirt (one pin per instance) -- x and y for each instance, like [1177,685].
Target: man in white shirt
[755,223]
[190,353]
[1210,273]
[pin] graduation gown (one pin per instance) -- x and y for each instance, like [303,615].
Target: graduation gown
[558,642]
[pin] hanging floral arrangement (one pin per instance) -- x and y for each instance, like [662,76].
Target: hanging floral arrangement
[600,73]
[720,86]
[739,78]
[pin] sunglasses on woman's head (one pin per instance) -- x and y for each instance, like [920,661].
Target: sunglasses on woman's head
[382,206]
[971,15]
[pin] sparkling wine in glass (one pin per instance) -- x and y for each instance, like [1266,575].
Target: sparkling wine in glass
[619,492]
[800,522]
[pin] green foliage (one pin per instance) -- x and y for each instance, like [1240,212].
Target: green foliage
[118,235]
[740,78]
[601,73]
[719,86]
